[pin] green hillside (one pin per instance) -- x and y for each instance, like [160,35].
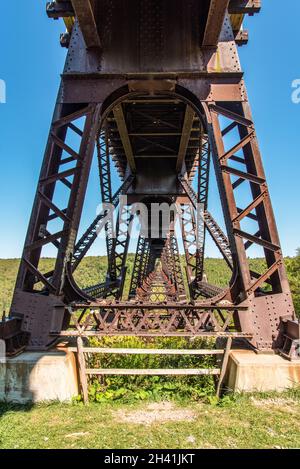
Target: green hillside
[92,271]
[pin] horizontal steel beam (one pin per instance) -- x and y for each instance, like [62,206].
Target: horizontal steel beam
[86,19]
[241,37]
[122,128]
[214,24]
[70,333]
[237,7]
[205,306]
[185,137]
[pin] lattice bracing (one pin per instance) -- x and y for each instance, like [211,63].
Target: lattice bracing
[157,94]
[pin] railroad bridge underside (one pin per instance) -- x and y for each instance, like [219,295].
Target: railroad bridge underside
[153,90]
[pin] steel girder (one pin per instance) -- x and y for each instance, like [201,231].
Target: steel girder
[176,265]
[156,288]
[190,241]
[193,223]
[152,319]
[45,211]
[246,169]
[274,274]
[120,247]
[59,154]
[105,183]
[140,265]
[203,185]
[161,279]
[114,286]
[219,237]
[205,218]
[156,100]
[90,235]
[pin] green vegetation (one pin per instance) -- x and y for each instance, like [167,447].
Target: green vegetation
[264,421]
[92,271]
[293,268]
[152,412]
[134,388]
[129,389]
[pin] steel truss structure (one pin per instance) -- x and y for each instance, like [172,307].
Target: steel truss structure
[156,88]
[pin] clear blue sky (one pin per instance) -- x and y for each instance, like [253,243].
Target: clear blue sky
[31,61]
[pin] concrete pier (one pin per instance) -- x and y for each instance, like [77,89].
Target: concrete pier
[48,376]
[251,372]
[39,377]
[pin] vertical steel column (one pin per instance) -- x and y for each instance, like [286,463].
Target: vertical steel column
[106,193]
[190,241]
[42,312]
[90,235]
[139,265]
[44,210]
[77,195]
[176,265]
[120,246]
[232,171]
[203,185]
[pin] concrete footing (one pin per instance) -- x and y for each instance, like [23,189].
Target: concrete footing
[39,377]
[251,372]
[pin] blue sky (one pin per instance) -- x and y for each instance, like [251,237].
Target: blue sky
[31,61]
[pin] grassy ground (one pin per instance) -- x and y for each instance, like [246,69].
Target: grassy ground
[269,421]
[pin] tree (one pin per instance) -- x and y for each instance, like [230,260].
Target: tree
[293,268]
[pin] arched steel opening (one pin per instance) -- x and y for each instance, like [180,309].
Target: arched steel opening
[176,132]
[159,134]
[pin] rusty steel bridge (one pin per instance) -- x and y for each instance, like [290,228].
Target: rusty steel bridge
[155,88]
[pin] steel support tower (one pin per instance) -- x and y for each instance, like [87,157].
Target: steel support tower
[156,88]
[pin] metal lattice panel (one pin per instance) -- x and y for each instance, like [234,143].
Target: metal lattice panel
[149,84]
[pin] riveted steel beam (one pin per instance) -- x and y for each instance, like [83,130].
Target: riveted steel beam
[86,19]
[122,128]
[214,24]
[155,71]
[185,136]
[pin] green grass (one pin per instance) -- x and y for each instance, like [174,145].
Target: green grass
[264,421]
[245,422]
[260,421]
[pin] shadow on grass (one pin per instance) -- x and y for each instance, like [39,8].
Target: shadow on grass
[8,407]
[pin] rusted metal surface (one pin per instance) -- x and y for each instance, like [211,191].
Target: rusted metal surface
[140,89]
[216,14]
[291,343]
[153,319]
[11,333]
[244,6]
[85,14]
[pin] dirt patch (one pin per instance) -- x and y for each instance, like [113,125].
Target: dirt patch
[155,413]
[279,403]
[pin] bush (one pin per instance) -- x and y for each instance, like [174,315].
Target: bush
[131,388]
[293,268]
